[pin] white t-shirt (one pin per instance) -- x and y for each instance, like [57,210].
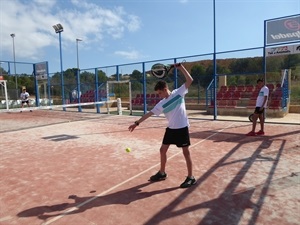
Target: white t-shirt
[264,91]
[24,95]
[173,108]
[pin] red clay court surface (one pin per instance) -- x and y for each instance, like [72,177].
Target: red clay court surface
[68,168]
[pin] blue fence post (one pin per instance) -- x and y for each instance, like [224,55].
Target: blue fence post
[175,76]
[36,87]
[144,87]
[96,91]
[61,73]
[48,84]
[285,89]
[117,73]
[78,89]
[215,64]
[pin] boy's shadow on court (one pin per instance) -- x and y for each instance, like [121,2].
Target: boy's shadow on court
[123,197]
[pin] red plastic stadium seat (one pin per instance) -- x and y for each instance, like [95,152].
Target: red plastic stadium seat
[278,89]
[236,95]
[136,101]
[223,89]
[276,95]
[227,95]
[232,88]
[219,95]
[152,102]
[275,104]
[254,95]
[271,87]
[249,88]
[231,103]
[153,96]
[141,101]
[257,89]
[241,88]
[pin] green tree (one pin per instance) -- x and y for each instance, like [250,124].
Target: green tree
[136,79]
[102,78]
[197,71]
[28,82]
[291,62]
[221,70]
[136,75]
[239,66]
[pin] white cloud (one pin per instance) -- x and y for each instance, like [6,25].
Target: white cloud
[44,4]
[32,23]
[134,23]
[132,55]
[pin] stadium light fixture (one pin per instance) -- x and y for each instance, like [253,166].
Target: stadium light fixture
[58,28]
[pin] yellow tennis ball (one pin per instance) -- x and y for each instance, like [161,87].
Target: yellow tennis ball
[128,150]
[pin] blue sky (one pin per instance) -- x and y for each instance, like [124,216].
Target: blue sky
[125,31]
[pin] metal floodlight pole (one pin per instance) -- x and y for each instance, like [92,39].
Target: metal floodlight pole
[215,62]
[58,29]
[77,40]
[77,75]
[14,55]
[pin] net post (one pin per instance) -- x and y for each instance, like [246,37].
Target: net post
[5,92]
[119,106]
[107,107]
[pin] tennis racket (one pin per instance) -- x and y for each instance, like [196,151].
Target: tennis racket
[160,70]
[250,117]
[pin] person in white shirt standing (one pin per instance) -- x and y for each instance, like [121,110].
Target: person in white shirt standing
[24,98]
[173,107]
[261,104]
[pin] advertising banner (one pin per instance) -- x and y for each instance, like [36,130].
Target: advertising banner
[283,30]
[41,72]
[283,50]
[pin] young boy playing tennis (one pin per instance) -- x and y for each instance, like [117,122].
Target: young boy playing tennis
[261,104]
[24,98]
[172,106]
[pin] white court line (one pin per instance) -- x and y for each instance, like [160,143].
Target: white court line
[125,181]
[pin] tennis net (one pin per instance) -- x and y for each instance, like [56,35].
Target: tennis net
[98,107]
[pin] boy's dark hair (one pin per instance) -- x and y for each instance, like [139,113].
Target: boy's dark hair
[260,80]
[161,85]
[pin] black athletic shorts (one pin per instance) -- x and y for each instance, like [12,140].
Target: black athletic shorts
[25,101]
[179,137]
[258,111]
